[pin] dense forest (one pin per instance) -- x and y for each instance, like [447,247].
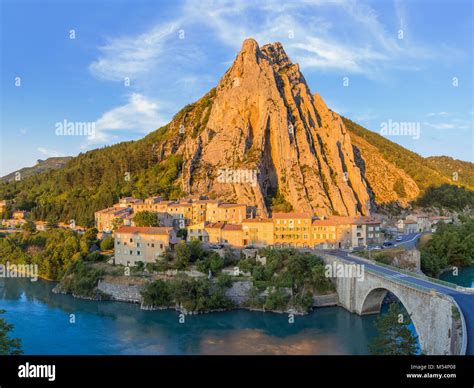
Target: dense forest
[96,180]
[52,251]
[451,245]
[447,197]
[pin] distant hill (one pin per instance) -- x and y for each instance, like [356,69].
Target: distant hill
[426,172]
[448,166]
[41,166]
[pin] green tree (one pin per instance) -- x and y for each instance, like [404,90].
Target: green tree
[182,233]
[157,293]
[29,227]
[450,245]
[196,250]
[52,222]
[107,243]
[394,335]
[8,346]
[183,255]
[146,218]
[117,223]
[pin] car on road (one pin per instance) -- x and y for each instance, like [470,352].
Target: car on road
[387,244]
[374,247]
[399,238]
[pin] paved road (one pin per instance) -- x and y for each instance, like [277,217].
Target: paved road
[408,240]
[465,300]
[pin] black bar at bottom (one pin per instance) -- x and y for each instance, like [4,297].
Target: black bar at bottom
[138,371]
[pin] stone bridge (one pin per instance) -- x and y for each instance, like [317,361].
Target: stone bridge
[440,328]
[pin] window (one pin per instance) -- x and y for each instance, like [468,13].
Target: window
[138,253]
[138,244]
[118,242]
[161,246]
[131,240]
[130,252]
[152,245]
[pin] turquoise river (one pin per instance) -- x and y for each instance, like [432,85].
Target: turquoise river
[43,322]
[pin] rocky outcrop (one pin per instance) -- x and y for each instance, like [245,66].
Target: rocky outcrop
[263,121]
[262,117]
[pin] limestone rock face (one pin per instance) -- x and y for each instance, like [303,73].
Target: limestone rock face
[264,119]
[264,123]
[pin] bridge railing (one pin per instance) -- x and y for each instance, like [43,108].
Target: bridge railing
[419,276]
[413,274]
[406,283]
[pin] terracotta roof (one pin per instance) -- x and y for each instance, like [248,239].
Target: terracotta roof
[215,225]
[114,210]
[258,220]
[292,215]
[409,222]
[341,220]
[232,227]
[331,222]
[144,229]
[231,205]
[366,220]
[180,205]
[206,201]
[419,215]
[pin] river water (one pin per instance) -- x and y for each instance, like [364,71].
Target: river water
[464,277]
[45,323]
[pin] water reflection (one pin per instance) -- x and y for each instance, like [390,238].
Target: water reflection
[41,319]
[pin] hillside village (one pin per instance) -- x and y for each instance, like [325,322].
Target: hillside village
[218,224]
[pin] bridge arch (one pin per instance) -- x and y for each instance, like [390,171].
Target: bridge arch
[372,303]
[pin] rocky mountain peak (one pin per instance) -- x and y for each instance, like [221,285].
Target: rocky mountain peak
[263,121]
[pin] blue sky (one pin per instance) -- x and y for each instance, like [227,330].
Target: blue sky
[405,61]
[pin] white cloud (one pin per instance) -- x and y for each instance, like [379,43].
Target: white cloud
[330,55]
[358,43]
[49,152]
[138,115]
[332,35]
[133,56]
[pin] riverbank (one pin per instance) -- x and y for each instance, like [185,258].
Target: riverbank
[288,282]
[129,289]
